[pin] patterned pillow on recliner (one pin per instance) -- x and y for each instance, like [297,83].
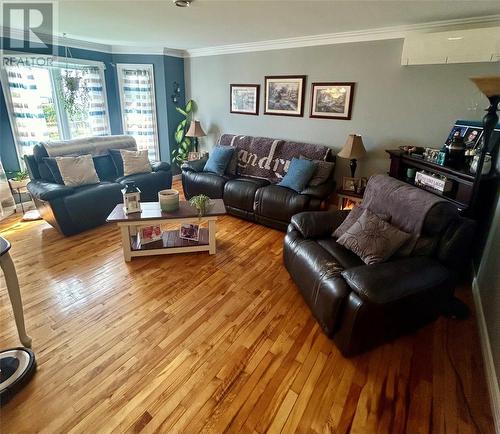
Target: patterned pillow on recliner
[373,239]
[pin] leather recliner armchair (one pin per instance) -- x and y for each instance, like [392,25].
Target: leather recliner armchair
[361,306]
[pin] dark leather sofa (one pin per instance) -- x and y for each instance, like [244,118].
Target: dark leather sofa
[258,199]
[72,210]
[361,306]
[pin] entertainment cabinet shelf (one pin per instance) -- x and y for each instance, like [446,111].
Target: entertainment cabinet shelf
[462,182]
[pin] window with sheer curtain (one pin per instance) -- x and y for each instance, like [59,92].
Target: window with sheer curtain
[38,108]
[138,106]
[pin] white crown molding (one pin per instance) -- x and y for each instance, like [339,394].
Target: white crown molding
[96,46]
[61,41]
[126,49]
[376,34]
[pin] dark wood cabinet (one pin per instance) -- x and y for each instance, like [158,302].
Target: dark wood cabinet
[461,193]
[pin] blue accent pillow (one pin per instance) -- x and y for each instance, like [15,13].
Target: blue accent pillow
[219,159]
[298,175]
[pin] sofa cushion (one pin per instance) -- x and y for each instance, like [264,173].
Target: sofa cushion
[116,157]
[240,192]
[105,168]
[385,283]
[343,256]
[298,175]
[279,203]
[218,160]
[373,239]
[51,163]
[210,184]
[149,183]
[81,205]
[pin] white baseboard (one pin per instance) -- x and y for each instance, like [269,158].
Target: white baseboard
[489,365]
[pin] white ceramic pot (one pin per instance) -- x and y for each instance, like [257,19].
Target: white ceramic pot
[169,200]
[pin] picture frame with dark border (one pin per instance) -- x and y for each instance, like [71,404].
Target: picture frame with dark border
[328,101]
[244,104]
[284,95]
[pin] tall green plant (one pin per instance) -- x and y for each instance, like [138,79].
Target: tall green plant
[184,144]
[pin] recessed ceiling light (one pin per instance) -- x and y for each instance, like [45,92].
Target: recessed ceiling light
[182,3]
[455,38]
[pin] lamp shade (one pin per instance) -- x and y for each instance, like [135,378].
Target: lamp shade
[195,130]
[353,148]
[490,86]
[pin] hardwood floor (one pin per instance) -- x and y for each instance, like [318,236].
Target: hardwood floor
[224,343]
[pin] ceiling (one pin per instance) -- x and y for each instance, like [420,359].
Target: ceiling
[208,23]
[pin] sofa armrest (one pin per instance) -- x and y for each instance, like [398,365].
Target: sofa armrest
[390,281]
[316,224]
[194,165]
[44,190]
[160,165]
[322,191]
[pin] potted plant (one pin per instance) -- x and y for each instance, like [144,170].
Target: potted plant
[74,94]
[201,203]
[184,144]
[19,180]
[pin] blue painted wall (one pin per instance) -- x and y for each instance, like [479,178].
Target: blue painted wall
[167,69]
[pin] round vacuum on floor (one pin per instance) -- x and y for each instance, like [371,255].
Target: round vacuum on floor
[17,366]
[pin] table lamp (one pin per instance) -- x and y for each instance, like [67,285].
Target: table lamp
[490,87]
[195,130]
[352,150]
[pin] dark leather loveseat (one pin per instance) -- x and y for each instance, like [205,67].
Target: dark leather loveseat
[75,209]
[249,188]
[361,306]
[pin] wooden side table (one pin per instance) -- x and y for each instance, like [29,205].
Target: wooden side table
[10,274]
[347,199]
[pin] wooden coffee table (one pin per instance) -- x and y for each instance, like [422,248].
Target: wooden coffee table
[151,214]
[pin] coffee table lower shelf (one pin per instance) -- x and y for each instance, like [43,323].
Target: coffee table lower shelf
[171,240]
[170,243]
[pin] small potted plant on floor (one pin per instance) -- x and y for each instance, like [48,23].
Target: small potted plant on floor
[19,180]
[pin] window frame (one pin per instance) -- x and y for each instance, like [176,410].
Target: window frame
[62,118]
[120,67]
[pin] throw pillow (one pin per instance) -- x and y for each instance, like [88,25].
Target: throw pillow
[51,163]
[352,218]
[299,174]
[219,159]
[322,173]
[135,162]
[373,239]
[77,171]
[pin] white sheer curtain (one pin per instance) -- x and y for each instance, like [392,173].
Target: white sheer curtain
[7,204]
[137,97]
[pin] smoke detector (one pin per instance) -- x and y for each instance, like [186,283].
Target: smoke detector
[182,3]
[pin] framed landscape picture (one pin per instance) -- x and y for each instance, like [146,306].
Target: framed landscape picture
[285,95]
[332,100]
[245,99]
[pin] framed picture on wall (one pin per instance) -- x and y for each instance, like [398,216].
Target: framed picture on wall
[245,99]
[284,95]
[332,100]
